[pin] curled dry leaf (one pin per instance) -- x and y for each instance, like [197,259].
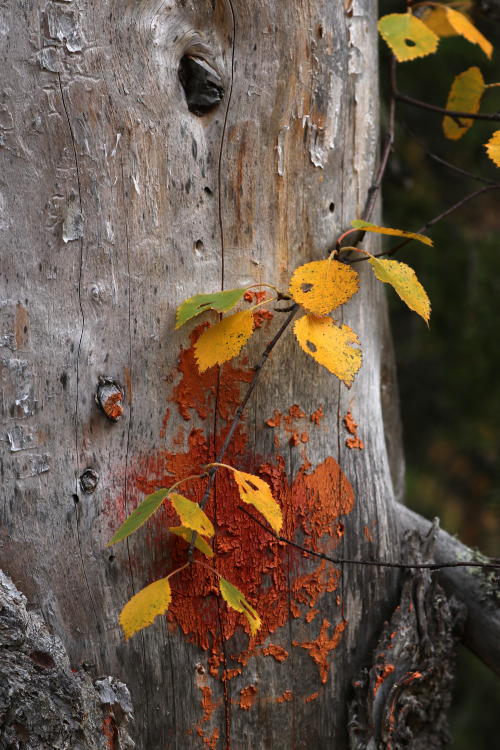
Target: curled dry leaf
[224,340]
[191,515]
[330,345]
[187,535]
[407,36]
[465,96]
[142,609]
[404,280]
[218,301]
[367,226]
[235,598]
[323,285]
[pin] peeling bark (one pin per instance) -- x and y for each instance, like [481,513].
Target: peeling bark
[44,704]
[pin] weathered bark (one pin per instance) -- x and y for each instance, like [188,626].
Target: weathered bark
[152,150]
[44,704]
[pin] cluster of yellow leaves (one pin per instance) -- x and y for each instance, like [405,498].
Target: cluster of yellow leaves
[410,36]
[155,599]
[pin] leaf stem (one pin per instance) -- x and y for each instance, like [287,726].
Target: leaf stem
[493,117]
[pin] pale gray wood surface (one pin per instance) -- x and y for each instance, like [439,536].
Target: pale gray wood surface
[117,203]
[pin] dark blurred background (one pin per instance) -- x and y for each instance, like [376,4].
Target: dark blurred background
[449,376]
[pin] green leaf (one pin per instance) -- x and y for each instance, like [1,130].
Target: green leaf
[142,609]
[407,36]
[191,515]
[149,505]
[404,280]
[237,601]
[187,535]
[367,226]
[219,301]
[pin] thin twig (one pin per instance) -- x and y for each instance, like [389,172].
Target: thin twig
[493,117]
[238,415]
[439,160]
[374,563]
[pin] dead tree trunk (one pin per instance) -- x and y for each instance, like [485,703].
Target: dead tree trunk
[152,150]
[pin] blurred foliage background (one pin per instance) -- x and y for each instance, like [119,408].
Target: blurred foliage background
[449,376]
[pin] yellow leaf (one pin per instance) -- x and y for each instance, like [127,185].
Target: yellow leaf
[187,535]
[237,601]
[493,147]
[255,491]
[407,36]
[142,609]
[367,226]
[465,96]
[191,515]
[446,21]
[405,282]
[224,340]
[323,285]
[330,345]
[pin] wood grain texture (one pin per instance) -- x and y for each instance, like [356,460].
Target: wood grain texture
[117,204]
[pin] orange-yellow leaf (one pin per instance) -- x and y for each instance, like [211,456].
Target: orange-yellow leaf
[446,21]
[255,491]
[191,515]
[465,96]
[142,609]
[187,535]
[224,340]
[367,226]
[330,345]
[237,601]
[323,285]
[493,147]
[405,282]
[407,36]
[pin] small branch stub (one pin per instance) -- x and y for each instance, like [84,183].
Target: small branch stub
[88,481]
[109,397]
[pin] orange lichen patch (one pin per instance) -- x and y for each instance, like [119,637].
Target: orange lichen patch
[311,615]
[260,316]
[368,535]
[318,415]
[352,427]
[246,555]
[275,421]
[294,413]
[206,703]
[113,406]
[309,587]
[294,439]
[312,697]
[259,296]
[249,295]
[108,728]
[230,673]
[321,647]
[212,740]
[165,420]
[279,653]
[389,669]
[287,696]
[248,697]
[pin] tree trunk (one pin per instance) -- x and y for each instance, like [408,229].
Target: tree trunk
[133,177]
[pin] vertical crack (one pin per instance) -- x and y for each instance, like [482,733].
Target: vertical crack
[63,100]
